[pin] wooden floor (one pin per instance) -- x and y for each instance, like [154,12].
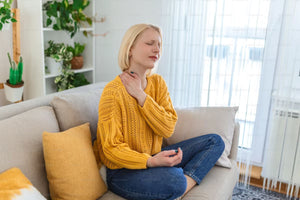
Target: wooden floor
[257,180]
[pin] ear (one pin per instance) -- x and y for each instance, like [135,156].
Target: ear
[130,53]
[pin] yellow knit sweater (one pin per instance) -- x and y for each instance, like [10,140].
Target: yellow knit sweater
[129,134]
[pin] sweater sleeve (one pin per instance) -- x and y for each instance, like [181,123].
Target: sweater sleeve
[114,148]
[160,115]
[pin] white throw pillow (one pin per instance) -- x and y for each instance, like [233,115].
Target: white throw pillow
[193,122]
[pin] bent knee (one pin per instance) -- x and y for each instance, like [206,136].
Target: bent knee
[176,186]
[218,141]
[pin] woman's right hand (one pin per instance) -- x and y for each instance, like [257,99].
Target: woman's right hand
[165,159]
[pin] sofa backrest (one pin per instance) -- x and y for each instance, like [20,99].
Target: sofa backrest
[197,121]
[14,109]
[21,144]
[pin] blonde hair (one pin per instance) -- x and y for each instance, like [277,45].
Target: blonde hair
[128,41]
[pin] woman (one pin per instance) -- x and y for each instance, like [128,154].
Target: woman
[135,114]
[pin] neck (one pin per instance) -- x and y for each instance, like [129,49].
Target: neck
[141,73]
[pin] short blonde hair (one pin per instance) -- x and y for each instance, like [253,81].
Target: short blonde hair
[128,41]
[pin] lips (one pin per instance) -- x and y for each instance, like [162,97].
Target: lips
[153,58]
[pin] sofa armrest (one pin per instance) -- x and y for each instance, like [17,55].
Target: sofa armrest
[235,142]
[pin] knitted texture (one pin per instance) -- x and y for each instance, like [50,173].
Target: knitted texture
[129,134]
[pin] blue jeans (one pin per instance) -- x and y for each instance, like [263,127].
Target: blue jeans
[199,155]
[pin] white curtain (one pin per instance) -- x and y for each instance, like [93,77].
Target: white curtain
[282,152]
[214,56]
[226,53]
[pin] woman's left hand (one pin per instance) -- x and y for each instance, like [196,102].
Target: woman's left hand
[132,83]
[168,158]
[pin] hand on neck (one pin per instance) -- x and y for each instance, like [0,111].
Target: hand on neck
[142,74]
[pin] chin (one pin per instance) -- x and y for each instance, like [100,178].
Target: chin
[150,66]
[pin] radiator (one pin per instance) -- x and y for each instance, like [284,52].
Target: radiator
[282,153]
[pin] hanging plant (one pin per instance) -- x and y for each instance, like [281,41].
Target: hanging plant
[6,16]
[67,78]
[66,16]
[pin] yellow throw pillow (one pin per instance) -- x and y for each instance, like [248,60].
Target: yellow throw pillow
[15,186]
[71,166]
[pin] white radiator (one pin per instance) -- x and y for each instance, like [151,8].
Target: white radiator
[282,153]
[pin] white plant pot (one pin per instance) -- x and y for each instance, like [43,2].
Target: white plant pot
[6,27]
[53,66]
[13,94]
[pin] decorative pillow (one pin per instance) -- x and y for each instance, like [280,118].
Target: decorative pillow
[71,165]
[193,122]
[15,186]
[77,108]
[21,144]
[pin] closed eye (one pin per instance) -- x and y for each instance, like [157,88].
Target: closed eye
[152,43]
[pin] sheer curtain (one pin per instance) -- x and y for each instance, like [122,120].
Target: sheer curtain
[214,56]
[282,152]
[236,53]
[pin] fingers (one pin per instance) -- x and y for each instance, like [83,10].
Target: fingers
[168,153]
[173,158]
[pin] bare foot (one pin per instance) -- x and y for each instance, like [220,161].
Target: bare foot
[190,184]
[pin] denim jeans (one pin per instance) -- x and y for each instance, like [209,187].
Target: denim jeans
[199,155]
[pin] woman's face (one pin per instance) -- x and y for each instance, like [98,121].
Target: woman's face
[145,52]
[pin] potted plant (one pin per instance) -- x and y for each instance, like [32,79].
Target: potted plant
[77,50]
[6,16]
[67,79]
[13,87]
[55,55]
[66,16]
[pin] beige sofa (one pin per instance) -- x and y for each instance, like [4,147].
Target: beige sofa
[22,125]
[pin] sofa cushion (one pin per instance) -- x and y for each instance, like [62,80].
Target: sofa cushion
[14,185]
[77,108]
[193,122]
[111,196]
[71,166]
[21,144]
[217,184]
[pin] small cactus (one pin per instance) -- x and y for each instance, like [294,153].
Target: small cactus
[15,72]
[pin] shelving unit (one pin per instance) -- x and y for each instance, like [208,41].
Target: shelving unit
[34,39]
[62,36]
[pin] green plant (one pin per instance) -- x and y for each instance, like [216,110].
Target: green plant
[6,16]
[77,50]
[58,51]
[68,79]
[65,79]
[68,16]
[79,80]
[15,72]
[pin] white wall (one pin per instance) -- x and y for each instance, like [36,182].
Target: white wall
[120,15]
[5,46]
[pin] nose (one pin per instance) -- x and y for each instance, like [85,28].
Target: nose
[156,49]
